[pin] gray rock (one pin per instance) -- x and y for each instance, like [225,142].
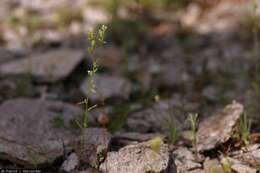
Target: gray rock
[70,163]
[250,155]
[92,145]
[49,66]
[35,132]
[161,116]
[238,166]
[218,128]
[108,86]
[137,158]
[185,160]
[32,131]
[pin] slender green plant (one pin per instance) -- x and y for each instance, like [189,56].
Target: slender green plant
[244,129]
[193,119]
[95,39]
[173,132]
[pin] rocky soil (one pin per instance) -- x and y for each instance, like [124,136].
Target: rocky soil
[153,76]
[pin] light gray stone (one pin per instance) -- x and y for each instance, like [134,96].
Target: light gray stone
[185,160]
[249,155]
[35,131]
[218,128]
[48,66]
[238,166]
[138,158]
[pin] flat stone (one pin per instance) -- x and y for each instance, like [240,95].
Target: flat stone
[218,128]
[32,131]
[185,160]
[108,86]
[49,66]
[243,169]
[240,167]
[249,156]
[138,158]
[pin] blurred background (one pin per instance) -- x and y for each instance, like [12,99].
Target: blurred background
[198,54]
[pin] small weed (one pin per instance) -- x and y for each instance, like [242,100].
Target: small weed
[173,132]
[193,119]
[244,129]
[101,157]
[155,144]
[169,120]
[94,39]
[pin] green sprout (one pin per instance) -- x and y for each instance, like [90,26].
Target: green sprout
[173,132]
[244,129]
[193,119]
[94,39]
[155,144]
